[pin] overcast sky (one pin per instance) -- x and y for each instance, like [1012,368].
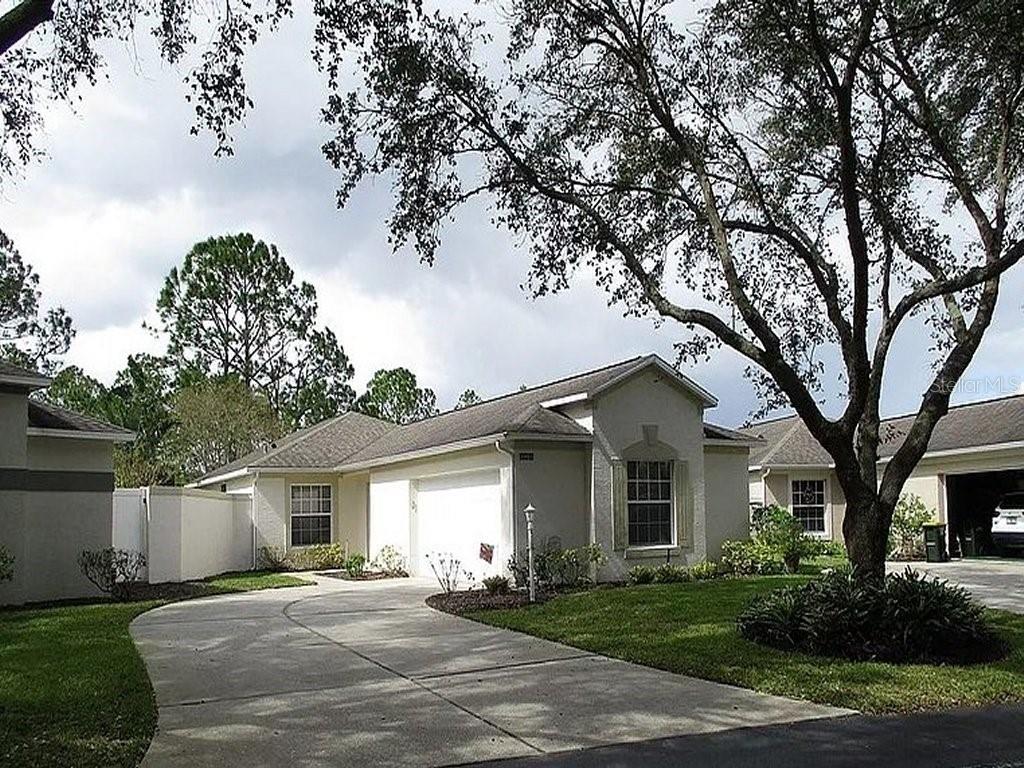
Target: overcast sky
[126,191]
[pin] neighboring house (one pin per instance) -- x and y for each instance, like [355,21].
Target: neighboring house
[620,456]
[976,454]
[56,488]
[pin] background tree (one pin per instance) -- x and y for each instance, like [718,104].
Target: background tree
[49,47]
[394,395]
[794,180]
[27,336]
[468,397]
[234,308]
[139,400]
[215,422]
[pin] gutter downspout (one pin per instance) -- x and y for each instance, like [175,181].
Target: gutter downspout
[252,516]
[512,479]
[764,486]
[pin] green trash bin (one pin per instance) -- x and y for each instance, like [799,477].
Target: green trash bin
[935,543]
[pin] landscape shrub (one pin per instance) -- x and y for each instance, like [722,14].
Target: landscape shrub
[6,564]
[557,567]
[573,567]
[777,530]
[750,558]
[706,569]
[903,618]
[355,564]
[447,570]
[113,571]
[390,561]
[906,534]
[497,585]
[271,559]
[319,557]
[666,573]
[777,542]
[641,574]
[519,567]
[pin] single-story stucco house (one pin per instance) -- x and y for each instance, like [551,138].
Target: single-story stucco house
[976,455]
[56,489]
[620,456]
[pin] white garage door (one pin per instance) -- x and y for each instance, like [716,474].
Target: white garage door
[456,514]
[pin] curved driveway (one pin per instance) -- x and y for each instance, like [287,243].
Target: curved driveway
[346,673]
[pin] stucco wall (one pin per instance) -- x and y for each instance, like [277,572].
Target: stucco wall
[619,415]
[392,489]
[46,528]
[272,495]
[557,483]
[727,496]
[195,533]
[13,421]
[350,513]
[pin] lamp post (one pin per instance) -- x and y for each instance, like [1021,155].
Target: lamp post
[529,511]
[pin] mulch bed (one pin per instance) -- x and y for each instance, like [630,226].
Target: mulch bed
[459,603]
[368,576]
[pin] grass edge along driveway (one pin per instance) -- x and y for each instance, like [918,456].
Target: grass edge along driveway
[73,689]
[690,629]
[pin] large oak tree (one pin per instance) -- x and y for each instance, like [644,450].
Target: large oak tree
[793,179]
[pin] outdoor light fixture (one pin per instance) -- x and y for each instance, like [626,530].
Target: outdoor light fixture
[529,512]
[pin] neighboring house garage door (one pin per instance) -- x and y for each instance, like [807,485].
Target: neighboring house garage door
[456,514]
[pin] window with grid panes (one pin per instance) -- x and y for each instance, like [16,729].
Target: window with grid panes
[649,502]
[310,515]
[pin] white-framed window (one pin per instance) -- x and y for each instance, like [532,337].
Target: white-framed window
[808,504]
[310,515]
[649,503]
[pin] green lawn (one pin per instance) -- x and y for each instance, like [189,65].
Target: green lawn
[690,629]
[73,690]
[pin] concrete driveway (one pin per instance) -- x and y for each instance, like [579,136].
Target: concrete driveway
[996,583]
[366,674]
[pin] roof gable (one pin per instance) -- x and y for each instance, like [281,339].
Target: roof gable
[356,440]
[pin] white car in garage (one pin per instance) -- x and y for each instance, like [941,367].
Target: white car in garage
[1008,522]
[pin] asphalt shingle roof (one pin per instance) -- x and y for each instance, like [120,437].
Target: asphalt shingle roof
[12,370]
[357,439]
[49,416]
[787,442]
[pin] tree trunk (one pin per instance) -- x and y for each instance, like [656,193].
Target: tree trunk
[22,19]
[866,531]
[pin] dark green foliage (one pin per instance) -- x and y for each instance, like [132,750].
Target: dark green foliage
[28,336]
[6,564]
[571,567]
[497,585]
[777,543]
[234,308]
[705,570]
[750,558]
[765,176]
[671,574]
[905,618]
[641,574]
[355,565]
[54,47]
[394,395]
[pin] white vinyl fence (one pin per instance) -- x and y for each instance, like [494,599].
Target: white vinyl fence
[186,533]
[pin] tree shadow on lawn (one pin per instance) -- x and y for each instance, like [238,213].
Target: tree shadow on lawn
[690,629]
